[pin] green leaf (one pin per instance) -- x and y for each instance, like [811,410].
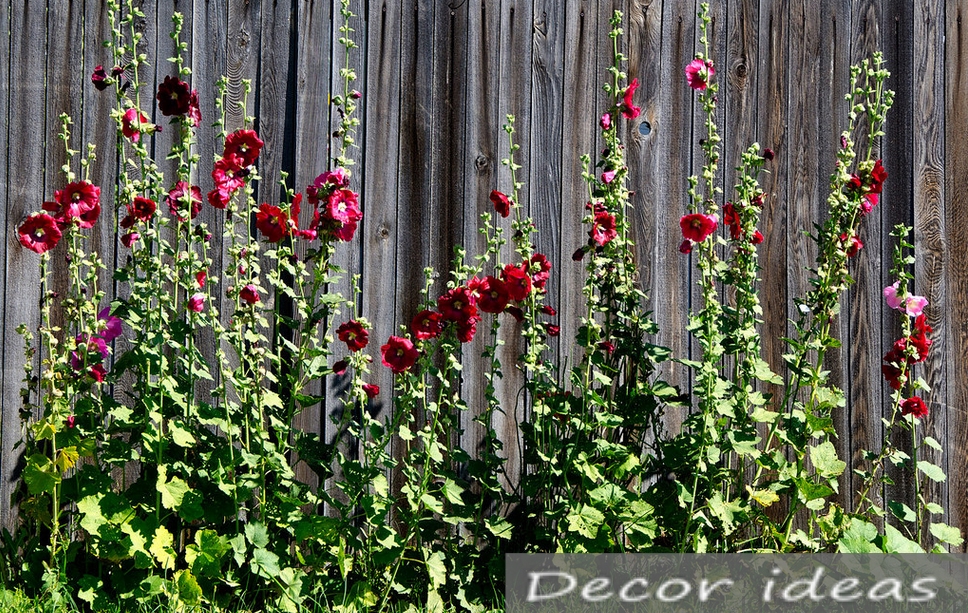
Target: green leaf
[761,370]
[172,492]
[858,538]
[40,474]
[585,520]
[189,592]
[824,458]
[947,534]
[436,568]
[161,548]
[932,443]
[895,542]
[265,563]
[934,508]
[764,497]
[499,527]
[257,534]
[902,511]
[180,435]
[931,471]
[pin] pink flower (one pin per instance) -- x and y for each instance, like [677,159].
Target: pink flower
[134,123]
[891,297]
[606,121]
[914,305]
[698,73]
[608,176]
[196,303]
[603,229]
[326,183]
[39,233]
[540,278]
[629,110]
[697,227]
[129,239]
[111,328]
[70,421]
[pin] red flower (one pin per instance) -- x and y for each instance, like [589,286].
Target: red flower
[78,200]
[467,329]
[492,295]
[399,354]
[697,227]
[177,199]
[243,145]
[540,263]
[194,112]
[200,277]
[868,202]
[629,110]
[517,280]
[70,421]
[142,209]
[853,244]
[607,346]
[920,338]
[228,174]
[457,304]
[272,221]
[342,213]
[515,312]
[552,329]
[219,198]
[39,233]
[878,176]
[98,373]
[603,228]
[249,294]
[174,97]
[426,325]
[698,73]
[339,368]
[549,310]
[757,238]
[855,184]
[685,246]
[371,390]
[134,123]
[129,239]
[914,406]
[353,334]
[502,204]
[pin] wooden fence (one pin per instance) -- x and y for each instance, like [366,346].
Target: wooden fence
[438,77]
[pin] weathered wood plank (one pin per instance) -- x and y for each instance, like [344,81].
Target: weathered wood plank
[954,333]
[30,128]
[11,352]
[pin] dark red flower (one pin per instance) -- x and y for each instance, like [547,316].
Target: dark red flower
[878,176]
[914,406]
[768,154]
[757,238]
[77,200]
[517,280]
[141,209]
[325,183]
[100,78]
[39,233]
[71,421]
[244,146]
[603,228]
[697,227]
[515,312]
[98,373]
[629,110]
[731,219]
[129,239]
[457,305]
[339,368]
[181,196]
[686,246]
[492,295]
[607,346]
[552,329]
[426,325]
[194,111]
[353,334]
[502,204]
[549,310]
[371,390]
[249,294]
[174,97]
[854,184]
[578,255]
[853,244]
[272,221]
[399,354]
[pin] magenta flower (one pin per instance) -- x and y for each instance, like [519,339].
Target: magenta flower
[608,176]
[891,297]
[697,227]
[371,390]
[698,73]
[606,121]
[629,110]
[249,294]
[910,304]
[196,303]
[128,240]
[111,328]
[39,233]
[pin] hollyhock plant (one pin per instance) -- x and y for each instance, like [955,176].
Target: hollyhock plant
[399,354]
[629,110]
[915,407]
[697,226]
[176,200]
[100,78]
[426,325]
[502,204]
[371,390]
[242,147]
[353,334]
[467,329]
[272,222]
[517,280]
[77,200]
[227,173]
[457,304]
[604,228]
[109,325]
[492,295]
[134,123]
[878,176]
[853,244]
[200,277]
[129,239]
[325,183]
[685,247]
[219,198]
[540,270]
[90,349]
[39,233]
[196,303]
[698,73]
[174,97]
[249,294]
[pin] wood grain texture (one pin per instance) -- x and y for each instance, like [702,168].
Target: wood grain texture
[10,374]
[955,330]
